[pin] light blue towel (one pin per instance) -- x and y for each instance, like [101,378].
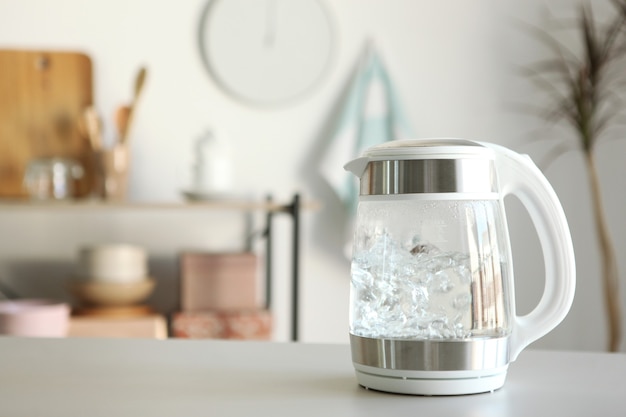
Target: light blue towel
[371,115]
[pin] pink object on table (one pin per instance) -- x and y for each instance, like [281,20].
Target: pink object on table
[34,317]
[218,281]
[236,324]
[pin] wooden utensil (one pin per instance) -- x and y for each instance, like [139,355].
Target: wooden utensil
[139,82]
[124,114]
[93,125]
[122,118]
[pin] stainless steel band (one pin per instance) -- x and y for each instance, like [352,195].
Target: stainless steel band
[469,175]
[430,355]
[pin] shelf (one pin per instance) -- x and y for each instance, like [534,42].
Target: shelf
[225,204]
[269,207]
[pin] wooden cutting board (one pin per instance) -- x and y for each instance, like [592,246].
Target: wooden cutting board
[42,98]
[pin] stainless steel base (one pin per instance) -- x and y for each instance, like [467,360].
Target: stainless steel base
[431,355]
[430,367]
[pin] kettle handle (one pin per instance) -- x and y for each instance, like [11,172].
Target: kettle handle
[519,176]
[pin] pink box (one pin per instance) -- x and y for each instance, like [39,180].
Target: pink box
[218,281]
[240,324]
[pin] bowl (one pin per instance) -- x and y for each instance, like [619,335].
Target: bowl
[34,318]
[110,294]
[112,262]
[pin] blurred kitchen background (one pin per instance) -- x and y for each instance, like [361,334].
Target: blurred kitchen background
[454,66]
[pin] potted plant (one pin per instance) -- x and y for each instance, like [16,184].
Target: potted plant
[584,94]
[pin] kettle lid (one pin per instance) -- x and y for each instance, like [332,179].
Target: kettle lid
[426,166]
[434,147]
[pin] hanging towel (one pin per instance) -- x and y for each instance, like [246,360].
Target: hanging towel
[371,115]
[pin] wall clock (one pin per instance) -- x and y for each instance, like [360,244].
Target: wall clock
[266,52]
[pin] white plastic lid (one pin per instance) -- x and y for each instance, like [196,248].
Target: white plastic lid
[431,147]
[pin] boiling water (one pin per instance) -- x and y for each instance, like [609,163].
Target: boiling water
[421,292]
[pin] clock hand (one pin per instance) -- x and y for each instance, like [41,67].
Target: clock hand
[270,24]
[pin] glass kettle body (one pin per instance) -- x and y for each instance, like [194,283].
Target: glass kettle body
[432,292]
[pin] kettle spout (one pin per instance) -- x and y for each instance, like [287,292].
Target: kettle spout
[357,166]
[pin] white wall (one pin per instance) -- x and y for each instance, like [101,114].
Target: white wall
[453,63]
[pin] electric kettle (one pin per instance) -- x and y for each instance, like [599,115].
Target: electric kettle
[432,305]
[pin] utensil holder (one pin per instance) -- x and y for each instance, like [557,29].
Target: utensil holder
[113,166]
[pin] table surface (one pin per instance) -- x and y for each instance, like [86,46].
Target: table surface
[135,377]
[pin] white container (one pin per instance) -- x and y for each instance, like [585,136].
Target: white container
[112,263]
[212,168]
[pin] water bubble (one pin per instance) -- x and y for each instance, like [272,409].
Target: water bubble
[361,278]
[410,291]
[442,282]
[462,301]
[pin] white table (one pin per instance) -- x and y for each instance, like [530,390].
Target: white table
[124,377]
